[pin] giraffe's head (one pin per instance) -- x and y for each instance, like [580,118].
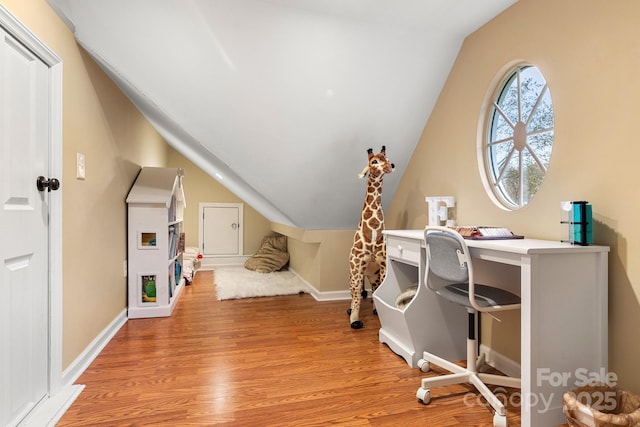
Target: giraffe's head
[378,164]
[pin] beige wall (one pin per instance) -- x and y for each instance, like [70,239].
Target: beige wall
[116,140]
[101,123]
[321,257]
[588,51]
[199,187]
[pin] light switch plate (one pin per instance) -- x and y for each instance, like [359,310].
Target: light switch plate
[80,166]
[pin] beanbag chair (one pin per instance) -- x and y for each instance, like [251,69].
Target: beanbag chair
[271,256]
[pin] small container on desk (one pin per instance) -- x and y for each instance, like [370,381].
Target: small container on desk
[577,223]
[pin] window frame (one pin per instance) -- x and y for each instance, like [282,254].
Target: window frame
[494,185]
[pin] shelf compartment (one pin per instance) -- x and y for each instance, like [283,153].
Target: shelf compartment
[148,289]
[147,240]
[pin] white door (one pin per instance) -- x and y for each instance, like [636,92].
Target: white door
[221,229]
[24,217]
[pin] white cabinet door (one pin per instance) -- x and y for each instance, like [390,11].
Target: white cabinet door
[24,217]
[221,229]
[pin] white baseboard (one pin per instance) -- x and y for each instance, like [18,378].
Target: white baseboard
[50,411]
[331,295]
[500,361]
[82,362]
[209,262]
[326,295]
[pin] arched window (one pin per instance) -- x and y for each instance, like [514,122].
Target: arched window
[519,136]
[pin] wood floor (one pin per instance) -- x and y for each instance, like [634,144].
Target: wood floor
[277,361]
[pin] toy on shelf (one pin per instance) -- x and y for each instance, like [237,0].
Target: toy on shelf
[149,288]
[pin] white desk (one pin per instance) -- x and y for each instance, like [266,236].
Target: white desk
[564,337]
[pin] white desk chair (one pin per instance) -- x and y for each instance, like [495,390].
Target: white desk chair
[449,273]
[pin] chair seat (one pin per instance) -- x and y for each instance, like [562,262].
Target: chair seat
[486,296]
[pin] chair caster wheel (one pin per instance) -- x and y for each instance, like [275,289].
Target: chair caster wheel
[424,365]
[499,420]
[423,395]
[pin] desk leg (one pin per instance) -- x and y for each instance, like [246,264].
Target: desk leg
[564,330]
[526,340]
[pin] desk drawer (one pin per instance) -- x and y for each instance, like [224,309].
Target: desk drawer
[407,250]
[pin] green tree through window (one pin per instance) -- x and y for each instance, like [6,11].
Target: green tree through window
[519,136]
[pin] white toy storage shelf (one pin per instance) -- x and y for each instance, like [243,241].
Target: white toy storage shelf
[411,330]
[155,209]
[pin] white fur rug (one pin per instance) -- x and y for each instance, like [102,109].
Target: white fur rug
[237,282]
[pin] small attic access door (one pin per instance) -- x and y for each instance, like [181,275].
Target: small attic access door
[221,229]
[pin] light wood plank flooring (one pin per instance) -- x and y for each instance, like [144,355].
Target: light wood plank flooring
[277,361]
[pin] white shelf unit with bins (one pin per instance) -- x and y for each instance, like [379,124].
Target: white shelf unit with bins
[155,213]
[427,322]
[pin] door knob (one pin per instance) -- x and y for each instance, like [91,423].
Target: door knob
[49,184]
[234,225]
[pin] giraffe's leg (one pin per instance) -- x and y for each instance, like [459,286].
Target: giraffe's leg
[381,258]
[364,292]
[356,278]
[351,273]
[355,285]
[374,279]
[377,270]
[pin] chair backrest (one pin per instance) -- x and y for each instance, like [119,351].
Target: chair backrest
[449,262]
[447,258]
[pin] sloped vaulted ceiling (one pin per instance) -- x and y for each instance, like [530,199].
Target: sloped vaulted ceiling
[280,99]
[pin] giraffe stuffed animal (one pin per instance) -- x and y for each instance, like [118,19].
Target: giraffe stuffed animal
[368,253]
